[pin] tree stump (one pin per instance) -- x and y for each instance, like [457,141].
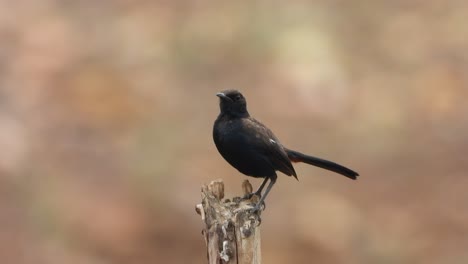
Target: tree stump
[231,231]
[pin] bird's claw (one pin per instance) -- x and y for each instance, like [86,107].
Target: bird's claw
[258,207]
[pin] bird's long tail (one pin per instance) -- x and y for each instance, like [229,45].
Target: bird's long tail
[295,156]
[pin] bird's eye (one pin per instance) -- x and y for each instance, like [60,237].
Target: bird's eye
[237,98]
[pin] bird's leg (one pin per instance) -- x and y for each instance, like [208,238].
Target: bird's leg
[257,192]
[262,199]
[260,189]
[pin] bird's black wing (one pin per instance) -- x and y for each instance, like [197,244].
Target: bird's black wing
[265,142]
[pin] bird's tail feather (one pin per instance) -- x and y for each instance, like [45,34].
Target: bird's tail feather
[295,156]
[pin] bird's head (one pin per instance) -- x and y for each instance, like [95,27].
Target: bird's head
[232,102]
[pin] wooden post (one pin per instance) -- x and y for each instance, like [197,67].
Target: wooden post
[231,231]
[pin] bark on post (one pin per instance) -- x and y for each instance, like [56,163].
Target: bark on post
[231,231]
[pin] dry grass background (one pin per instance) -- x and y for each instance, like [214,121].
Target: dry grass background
[106,110]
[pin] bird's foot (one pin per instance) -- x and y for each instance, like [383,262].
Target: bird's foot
[255,198]
[258,207]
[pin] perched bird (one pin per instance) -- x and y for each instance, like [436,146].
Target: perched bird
[251,148]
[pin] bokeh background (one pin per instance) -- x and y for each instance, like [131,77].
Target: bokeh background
[106,112]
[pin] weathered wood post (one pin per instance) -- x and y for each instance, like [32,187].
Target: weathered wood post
[231,231]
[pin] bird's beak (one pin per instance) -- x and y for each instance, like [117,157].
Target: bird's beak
[223,96]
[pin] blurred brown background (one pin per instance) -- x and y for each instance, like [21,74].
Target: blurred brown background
[106,111]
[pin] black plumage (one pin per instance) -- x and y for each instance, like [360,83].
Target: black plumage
[250,147]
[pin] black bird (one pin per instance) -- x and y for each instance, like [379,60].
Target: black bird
[250,147]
